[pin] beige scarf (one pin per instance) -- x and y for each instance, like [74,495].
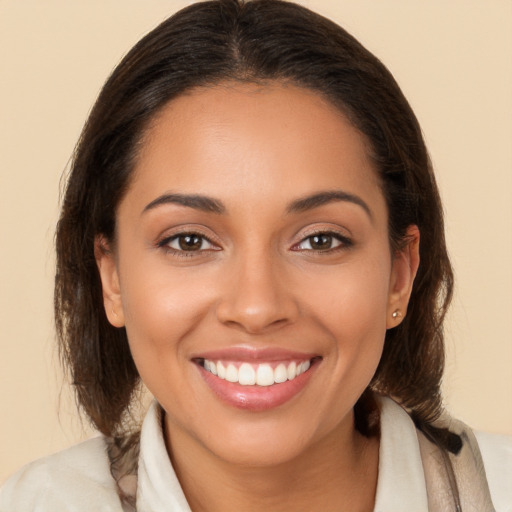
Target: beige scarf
[463,473]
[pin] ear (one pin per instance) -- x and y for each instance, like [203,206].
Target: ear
[405,265]
[107,267]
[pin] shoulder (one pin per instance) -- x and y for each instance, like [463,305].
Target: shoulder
[76,479]
[491,455]
[483,467]
[496,453]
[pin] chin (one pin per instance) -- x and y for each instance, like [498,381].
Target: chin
[263,447]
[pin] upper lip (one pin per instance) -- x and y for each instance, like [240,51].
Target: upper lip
[251,354]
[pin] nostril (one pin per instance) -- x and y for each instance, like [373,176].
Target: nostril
[256,300]
[253,319]
[254,325]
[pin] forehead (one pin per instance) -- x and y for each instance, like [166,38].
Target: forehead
[244,140]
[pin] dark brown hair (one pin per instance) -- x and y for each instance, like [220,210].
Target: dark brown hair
[254,41]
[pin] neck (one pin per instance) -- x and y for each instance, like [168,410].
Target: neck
[337,473]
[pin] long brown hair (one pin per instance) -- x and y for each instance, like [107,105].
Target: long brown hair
[253,41]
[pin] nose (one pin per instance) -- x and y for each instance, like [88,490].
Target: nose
[257,296]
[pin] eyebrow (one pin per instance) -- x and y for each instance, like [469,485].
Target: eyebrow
[196,201]
[211,205]
[329,196]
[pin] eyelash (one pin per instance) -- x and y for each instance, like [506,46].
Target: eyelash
[344,243]
[182,253]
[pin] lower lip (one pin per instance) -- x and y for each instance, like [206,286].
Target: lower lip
[256,398]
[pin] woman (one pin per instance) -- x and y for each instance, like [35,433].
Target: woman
[251,228]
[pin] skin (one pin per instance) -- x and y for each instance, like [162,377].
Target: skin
[260,283]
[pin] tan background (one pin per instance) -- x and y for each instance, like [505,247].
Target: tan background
[453,60]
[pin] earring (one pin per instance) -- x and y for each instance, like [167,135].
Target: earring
[396,314]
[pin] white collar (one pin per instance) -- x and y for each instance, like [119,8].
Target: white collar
[158,487]
[401,481]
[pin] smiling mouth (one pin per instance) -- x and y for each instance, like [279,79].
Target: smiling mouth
[256,380]
[254,374]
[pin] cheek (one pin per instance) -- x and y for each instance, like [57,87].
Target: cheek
[351,306]
[161,311]
[353,297]
[161,307]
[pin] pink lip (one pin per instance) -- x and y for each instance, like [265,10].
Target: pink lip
[248,354]
[256,398]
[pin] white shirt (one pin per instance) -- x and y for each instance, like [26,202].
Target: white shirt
[78,479]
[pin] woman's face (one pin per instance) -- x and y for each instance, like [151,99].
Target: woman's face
[253,272]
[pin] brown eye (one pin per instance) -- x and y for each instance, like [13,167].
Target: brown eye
[190,242]
[323,242]
[187,242]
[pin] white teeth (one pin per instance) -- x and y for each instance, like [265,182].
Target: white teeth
[259,374]
[302,367]
[221,371]
[264,375]
[292,371]
[211,367]
[280,374]
[246,375]
[232,373]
